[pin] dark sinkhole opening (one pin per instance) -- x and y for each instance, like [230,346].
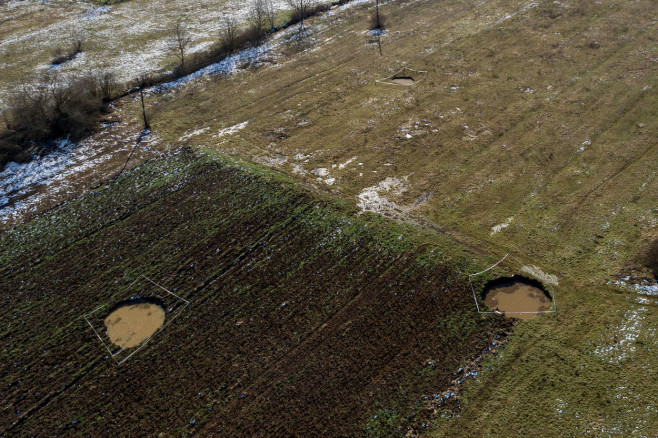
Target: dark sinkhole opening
[517,296]
[403,80]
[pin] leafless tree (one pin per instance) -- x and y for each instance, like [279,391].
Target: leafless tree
[179,40]
[55,106]
[229,33]
[258,15]
[107,84]
[301,9]
[270,13]
[101,84]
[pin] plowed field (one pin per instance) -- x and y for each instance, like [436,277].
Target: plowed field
[304,319]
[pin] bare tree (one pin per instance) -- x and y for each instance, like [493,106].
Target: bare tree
[258,15]
[107,84]
[100,84]
[301,9]
[179,40]
[54,107]
[270,13]
[229,34]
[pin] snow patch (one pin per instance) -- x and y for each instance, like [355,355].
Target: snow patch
[500,227]
[56,171]
[343,165]
[187,136]
[536,272]
[297,169]
[227,66]
[625,337]
[370,198]
[232,129]
[320,171]
[644,288]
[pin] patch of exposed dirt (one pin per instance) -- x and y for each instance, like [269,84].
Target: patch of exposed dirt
[130,325]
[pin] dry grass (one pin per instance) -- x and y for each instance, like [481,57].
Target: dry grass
[128,38]
[521,116]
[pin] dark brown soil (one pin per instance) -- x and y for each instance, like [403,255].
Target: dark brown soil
[293,328]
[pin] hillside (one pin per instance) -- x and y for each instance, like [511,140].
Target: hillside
[312,179]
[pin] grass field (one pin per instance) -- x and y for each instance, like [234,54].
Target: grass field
[532,133]
[128,38]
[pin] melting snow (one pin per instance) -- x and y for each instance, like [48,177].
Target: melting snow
[136,27]
[226,66]
[52,170]
[500,227]
[370,198]
[538,273]
[644,288]
[232,129]
[187,136]
[343,165]
[320,171]
[625,337]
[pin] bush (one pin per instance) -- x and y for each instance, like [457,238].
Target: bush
[60,57]
[10,151]
[53,108]
[299,14]
[650,257]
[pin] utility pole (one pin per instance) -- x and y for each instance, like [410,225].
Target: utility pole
[146,122]
[147,127]
[379,24]
[141,95]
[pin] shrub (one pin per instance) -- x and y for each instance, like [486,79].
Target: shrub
[60,57]
[53,108]
[650,257]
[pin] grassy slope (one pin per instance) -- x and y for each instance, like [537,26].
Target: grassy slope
[525,155]
[297,307]
[560,106]
[128,38]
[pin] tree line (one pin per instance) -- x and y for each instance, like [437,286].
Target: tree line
[56,106]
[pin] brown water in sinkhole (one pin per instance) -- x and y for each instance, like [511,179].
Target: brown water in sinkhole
[518,297]
[131,324]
